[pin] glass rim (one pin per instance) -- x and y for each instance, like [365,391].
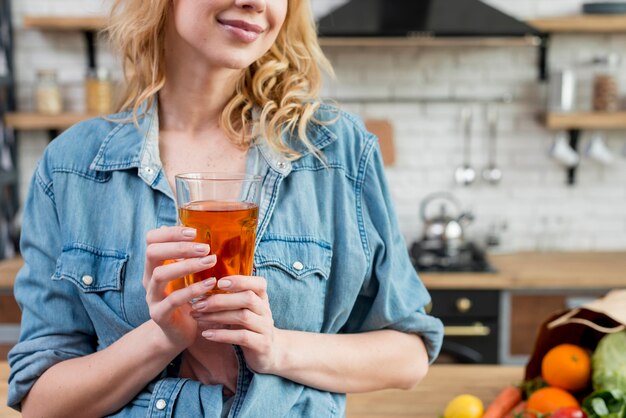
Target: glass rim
[218,176]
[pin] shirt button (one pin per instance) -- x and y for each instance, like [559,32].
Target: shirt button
[148,170]
[161,404]
[298,266]
[282,165]
[87,280]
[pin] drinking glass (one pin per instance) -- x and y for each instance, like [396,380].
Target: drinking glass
[224,209]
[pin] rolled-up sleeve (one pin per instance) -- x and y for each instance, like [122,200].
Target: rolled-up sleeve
[55,326]
[392,296]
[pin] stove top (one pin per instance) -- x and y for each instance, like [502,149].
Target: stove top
[432,257]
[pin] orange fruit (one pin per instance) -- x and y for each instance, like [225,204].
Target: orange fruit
[566,366]
[549,399]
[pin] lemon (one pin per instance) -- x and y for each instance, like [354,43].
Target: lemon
[464,406]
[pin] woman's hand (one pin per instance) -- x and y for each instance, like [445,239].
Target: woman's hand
[171,312]
[241,317]
[210,363]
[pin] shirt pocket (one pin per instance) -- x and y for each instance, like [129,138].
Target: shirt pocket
[297,271]
[98,274]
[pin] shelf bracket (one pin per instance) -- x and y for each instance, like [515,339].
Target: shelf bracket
[543,57]
[52,133]
[574,139]
[90,38]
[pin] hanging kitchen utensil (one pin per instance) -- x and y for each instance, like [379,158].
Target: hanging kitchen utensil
[492,174]
[383,129]
[465,174]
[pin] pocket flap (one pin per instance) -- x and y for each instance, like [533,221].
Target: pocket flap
[297,256]
[90,269]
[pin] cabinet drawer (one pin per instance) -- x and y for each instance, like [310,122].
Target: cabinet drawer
[465,303]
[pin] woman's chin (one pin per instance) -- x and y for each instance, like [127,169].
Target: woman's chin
[236,60]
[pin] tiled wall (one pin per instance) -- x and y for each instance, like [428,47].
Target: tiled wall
[532,208]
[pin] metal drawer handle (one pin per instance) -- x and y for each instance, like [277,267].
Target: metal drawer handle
[476,330]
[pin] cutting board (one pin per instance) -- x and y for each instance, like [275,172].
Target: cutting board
[383,129]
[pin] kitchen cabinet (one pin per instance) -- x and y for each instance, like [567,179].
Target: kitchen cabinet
[471,328]
[530,287]
[524,311]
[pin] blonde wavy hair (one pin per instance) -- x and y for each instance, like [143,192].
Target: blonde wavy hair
[284,83]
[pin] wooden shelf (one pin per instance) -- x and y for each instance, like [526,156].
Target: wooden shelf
[88,23]
[581,24]
[429,41]
[36,121]
[606,121]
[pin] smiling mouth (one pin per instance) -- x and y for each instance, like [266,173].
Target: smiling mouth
[242,25]
[241,31]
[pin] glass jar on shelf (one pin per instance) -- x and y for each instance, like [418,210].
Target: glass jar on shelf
[605,93]
[99,91]
[48,93]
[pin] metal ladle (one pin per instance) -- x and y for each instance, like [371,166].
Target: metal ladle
[492,174]
[465,174]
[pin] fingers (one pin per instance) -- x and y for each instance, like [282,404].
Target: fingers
[170,243]
[162,275]
[170,233]
[164,309]
[241,337]
[242,318]
[232,302]
[235,284]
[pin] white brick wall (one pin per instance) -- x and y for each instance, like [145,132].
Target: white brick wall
[539,210]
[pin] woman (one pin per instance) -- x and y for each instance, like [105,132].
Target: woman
[334,305]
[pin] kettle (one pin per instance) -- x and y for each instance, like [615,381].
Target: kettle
[444,232]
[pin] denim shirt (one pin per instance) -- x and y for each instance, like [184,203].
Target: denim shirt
[328,244]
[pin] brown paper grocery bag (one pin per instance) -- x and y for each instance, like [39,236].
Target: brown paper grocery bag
[583,326]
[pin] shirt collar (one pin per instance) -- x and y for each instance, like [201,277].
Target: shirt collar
[128,146]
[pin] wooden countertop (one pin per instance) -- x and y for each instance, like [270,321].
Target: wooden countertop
[532,270]
[427,400]
[5,411]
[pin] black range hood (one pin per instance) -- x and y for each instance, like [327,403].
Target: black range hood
[421,18]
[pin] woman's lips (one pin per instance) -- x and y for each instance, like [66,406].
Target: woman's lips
[243,31]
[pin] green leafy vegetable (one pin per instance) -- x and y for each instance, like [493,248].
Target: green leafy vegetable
[609,363]
[529,387]
[605,404]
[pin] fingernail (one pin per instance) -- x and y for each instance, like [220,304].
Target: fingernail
[224,283]
[208,334]
[199,305]
[189,232]
[210,282]
[208,259]
[201,248]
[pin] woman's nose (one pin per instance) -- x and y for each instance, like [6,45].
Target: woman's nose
[255,5]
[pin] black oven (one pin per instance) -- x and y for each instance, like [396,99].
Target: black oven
[470,318]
